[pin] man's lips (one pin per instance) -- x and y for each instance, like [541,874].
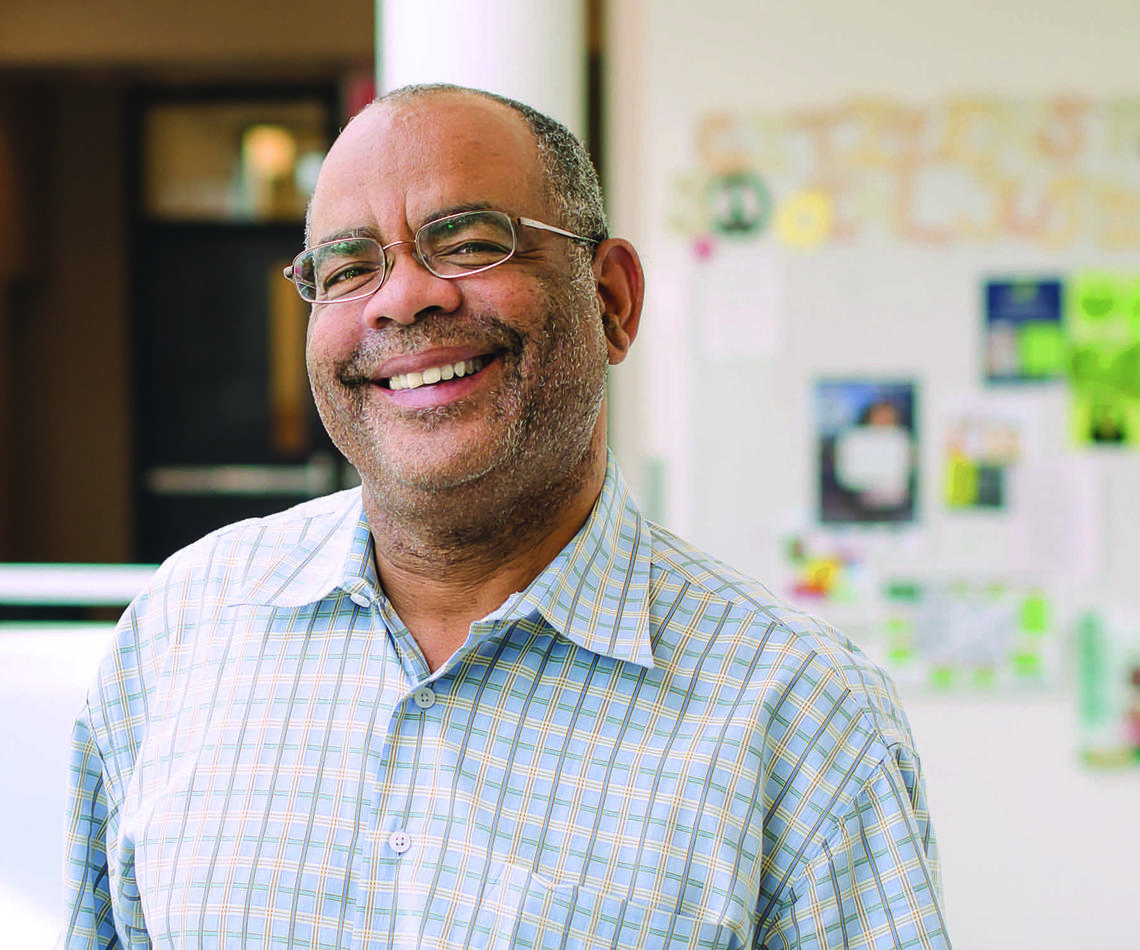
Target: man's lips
[414,390]
[430,346]
[429,358]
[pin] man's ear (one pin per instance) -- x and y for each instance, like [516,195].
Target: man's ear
[621,288]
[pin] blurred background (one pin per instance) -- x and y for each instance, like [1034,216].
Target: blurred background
[889,362]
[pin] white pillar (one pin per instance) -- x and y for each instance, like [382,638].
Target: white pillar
[530,50]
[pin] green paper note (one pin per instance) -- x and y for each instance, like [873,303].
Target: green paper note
[1035,614]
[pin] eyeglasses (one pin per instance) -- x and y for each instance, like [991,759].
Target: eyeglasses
[458,245]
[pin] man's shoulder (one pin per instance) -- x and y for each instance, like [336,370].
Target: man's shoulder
[787,649]
[686,564]
[283,559]
[290,525]
[242,552]
[681,566]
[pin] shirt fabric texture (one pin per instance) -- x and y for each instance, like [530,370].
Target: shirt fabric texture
[641,749]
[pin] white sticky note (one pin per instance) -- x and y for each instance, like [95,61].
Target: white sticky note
[738,298]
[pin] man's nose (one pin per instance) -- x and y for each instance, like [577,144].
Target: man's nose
[410,291]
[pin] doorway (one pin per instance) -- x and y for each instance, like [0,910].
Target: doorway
[224,423]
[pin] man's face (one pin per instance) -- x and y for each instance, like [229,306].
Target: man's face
[527,334]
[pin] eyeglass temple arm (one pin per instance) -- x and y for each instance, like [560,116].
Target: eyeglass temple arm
[531,223]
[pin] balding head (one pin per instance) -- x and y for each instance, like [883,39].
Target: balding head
[570,182]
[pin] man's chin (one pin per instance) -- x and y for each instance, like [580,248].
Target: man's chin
[436,474]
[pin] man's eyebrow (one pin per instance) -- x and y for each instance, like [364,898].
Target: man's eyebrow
[459,209]
[347,233]
[435,215]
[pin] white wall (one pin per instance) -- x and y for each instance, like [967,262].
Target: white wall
[44,675]
[1038,852]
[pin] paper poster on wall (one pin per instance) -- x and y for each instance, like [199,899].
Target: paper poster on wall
[1050,173]
[1103,324]
[1024,330]
[737,298]
[830,575]
[824,567]
[1108,686]
[868,451]
[975,633]
[1057,516]
[982,443]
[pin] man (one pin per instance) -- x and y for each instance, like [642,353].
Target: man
[480,702]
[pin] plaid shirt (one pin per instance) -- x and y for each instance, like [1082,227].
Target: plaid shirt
[641,749]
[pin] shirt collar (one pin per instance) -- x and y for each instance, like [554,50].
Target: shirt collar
[595,592]
[329,548]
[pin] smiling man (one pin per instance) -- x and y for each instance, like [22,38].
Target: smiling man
[471,484]
[480,701]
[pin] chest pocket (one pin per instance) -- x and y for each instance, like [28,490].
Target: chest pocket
[524,912]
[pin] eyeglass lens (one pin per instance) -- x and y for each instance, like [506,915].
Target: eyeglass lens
[339,269]
[467,242]
[450,247]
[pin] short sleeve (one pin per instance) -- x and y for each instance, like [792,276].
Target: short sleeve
[88,920]
[874,882]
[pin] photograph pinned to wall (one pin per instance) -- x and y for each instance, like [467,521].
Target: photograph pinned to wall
[1103,325]
[970,633]
[1024,330]
[1108,686]
[982,443]
[867,450]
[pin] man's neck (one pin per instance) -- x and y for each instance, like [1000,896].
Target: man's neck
[439,581]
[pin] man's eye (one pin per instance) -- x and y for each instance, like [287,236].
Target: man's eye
[351,271]
[479,247]
[348,277]
[473,253]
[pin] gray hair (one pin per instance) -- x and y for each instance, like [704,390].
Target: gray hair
[572,186]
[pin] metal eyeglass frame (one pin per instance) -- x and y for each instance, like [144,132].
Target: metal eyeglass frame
[293,269]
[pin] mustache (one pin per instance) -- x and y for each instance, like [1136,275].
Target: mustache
[483,330]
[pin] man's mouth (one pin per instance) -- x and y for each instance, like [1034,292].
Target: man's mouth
[436,374]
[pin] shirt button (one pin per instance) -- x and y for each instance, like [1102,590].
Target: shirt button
[360,600]
[424,697]
[399,841]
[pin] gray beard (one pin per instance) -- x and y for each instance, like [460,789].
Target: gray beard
[488,512]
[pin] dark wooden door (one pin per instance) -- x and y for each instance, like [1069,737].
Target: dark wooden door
[224,423]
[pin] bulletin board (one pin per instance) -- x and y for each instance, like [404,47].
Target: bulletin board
[913,342]
[877,172]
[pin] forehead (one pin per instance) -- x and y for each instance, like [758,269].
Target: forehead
[399,164]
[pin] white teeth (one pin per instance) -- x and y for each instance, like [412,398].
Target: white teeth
[434,374]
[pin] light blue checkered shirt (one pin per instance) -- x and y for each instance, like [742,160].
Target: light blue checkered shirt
[641,749]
